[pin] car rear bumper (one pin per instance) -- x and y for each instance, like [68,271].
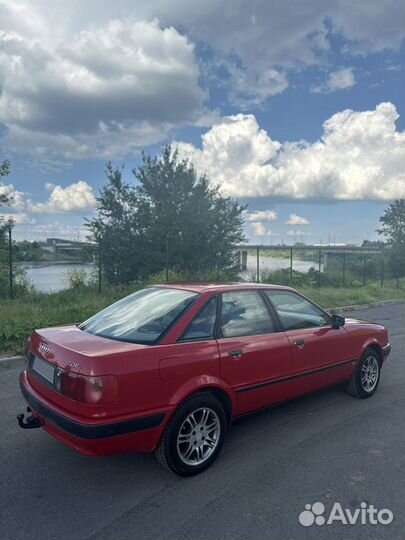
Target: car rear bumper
[386,350]
[137,434]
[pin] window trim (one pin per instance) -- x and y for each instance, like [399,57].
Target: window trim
[327,315]
[273,319]
[181,338]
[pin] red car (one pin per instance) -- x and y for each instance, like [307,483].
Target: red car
[168,368]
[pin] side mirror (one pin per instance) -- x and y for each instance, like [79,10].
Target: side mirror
[337,321]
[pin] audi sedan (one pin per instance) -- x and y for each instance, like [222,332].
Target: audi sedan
[168,368]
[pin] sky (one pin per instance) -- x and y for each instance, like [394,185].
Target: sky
[294,108]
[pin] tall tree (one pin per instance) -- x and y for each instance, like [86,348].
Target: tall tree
[393,228]
[191,223]
[172,217]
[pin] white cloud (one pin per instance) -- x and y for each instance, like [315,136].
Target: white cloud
[17,198]
[261,215]
[251,87]
[259,229]
[105,90]
[18,218]
[76,197]
[294,219]
[271,30]
[274,34]
[360,155]
[342,79]
[234,152]
[104,79]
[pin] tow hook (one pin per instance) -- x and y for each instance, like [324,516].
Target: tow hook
[30,422]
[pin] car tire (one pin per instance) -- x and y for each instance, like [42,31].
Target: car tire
[194,435]
[365,379]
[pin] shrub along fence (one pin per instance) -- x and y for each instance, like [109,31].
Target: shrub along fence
[31,262]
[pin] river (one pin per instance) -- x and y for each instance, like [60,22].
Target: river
[55,277]
[268,264]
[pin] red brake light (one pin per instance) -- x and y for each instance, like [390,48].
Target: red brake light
[68,384]
[91,390]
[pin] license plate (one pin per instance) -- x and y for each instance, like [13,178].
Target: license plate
[45,369]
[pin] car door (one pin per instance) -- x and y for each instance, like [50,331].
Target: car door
[255,356]
[321,355]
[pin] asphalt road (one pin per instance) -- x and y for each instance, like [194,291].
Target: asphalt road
[327,447]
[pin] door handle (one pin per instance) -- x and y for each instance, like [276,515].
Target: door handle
[237,353]
[299,343]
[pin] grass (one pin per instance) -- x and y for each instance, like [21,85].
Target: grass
[19,317]
[330,297]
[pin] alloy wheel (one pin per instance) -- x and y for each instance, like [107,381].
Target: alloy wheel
[369,373]
[198,436]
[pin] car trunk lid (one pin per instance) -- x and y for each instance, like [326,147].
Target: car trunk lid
[66,348]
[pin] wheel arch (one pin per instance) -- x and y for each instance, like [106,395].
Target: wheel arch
[373,344]
[212,385]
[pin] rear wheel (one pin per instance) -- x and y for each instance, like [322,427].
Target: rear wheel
[194,436]
[365,380]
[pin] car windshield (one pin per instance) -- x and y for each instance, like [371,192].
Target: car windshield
[141,317]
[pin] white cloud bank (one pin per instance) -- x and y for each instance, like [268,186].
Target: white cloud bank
[360,155]
[295,219]
[104,91]
[105,79]
[74,198]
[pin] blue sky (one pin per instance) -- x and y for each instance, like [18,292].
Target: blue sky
[295,109]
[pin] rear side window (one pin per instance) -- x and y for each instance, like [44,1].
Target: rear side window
[296,312]
[203,324]
[244,313]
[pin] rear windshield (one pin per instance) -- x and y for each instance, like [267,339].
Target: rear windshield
[141,317]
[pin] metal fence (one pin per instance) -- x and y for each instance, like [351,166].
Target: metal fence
[325,265]
[34,261]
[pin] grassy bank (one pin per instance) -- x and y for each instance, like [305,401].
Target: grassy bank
[20,316]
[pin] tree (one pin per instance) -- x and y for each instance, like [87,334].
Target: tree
[191,223]
[4,171]
[393,228]
[117,229]
[172,217]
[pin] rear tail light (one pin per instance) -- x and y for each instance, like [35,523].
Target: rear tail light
[91,390]
[66,383]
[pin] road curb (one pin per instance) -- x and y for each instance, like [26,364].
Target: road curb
[5,361]
[364,306]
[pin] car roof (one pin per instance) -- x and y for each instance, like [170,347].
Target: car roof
[218,287]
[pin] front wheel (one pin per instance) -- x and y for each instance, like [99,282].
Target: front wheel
[365,379]
[194,436]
